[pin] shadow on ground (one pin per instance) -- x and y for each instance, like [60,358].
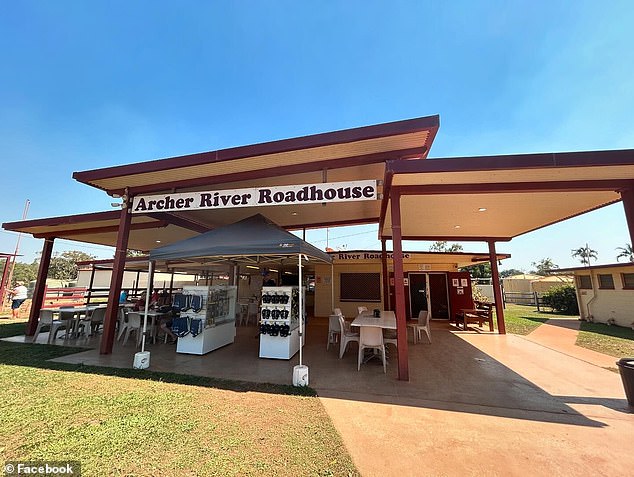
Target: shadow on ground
[449,374]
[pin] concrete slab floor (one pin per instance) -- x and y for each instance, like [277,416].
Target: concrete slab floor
[476,403]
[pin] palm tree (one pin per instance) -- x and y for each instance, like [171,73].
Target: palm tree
[625,252]
[585,254]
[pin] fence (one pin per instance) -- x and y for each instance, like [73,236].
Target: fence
[56,297]
[525,298]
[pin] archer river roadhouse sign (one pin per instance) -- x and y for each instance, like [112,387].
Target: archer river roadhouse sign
[258,196]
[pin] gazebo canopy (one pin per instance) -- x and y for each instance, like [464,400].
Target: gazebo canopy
[254,240]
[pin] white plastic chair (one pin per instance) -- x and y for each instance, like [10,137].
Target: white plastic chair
[91,323]
[420,326]
[389,337]
[134,325]
[46,320]
[121,319]
[253,311]
[334,330]
[67,315]
[243,313]
[346,336]
[371,337]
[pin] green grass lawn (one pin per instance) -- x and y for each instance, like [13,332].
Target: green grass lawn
[522,319]
[616,341]
[132,422]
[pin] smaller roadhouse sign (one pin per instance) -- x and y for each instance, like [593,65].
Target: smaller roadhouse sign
[258,196]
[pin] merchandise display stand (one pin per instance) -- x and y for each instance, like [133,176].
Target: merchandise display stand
[211,320]
[279,322]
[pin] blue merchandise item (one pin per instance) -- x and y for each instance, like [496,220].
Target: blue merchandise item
[180,301]
[196,326]
[180,326]
[196,303]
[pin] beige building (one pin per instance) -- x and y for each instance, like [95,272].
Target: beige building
[433,282]
[605,293]
[528,283]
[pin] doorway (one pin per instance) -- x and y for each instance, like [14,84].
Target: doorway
[428,291]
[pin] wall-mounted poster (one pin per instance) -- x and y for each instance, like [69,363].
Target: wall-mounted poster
[463,282]
[455,282]
[460,291]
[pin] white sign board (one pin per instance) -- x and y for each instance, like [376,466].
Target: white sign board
[258,196]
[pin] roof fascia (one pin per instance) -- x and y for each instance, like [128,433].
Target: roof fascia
[516,161]
[592,267]
[63,220]
[270,172]
[285,145]
[100,230]
[517,187]
[453,238]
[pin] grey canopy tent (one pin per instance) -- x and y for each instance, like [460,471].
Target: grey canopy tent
[253,240]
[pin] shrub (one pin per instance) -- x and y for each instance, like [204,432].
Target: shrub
[562,299]
[478,295]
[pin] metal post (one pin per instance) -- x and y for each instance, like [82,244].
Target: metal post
[386,278]
[497,292]
[40,286]
[92,281]
[147,303]
[301,313]
[399,288]
[112,311]
[332,286]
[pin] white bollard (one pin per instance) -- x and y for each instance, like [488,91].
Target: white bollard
[141,360]
[300,375]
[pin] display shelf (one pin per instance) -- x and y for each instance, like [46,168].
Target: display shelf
[216,315]
[279,322]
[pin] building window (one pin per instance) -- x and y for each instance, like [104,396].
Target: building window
[606,282]
[584,282]
[628,280]
[360,287]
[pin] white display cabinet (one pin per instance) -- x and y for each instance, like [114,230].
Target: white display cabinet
[217,314]
[279,322]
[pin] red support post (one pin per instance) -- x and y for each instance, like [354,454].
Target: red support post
[40,286]
[110,321]
[386,277]
[497,292]
[4,283]
[399,288]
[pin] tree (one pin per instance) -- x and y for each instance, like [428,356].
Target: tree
[625,252]
[441,246]
[64,265]
[510,272]
[585,254]
[482,270]
[24,272]
[544,266]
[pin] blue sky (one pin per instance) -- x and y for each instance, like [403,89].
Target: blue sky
[95,84]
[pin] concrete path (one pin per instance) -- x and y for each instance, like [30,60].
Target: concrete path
[477,403]
[576,423]
[561,335]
